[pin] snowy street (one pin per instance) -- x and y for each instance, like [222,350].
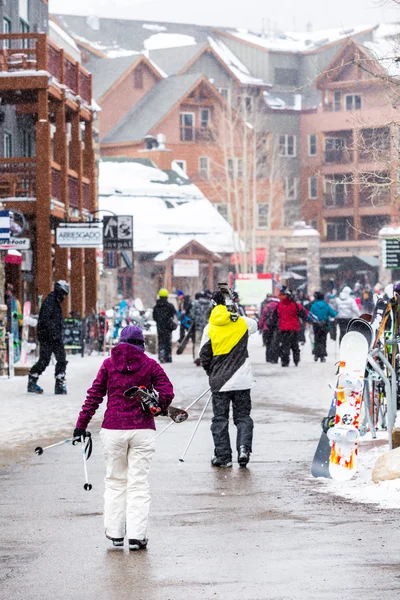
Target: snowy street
[269,532]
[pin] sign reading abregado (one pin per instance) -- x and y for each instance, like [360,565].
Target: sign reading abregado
[79,235]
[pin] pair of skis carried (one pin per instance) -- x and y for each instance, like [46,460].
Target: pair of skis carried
[337,451]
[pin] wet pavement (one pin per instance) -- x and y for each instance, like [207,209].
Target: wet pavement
[269,532]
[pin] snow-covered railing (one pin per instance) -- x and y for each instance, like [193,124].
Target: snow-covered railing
[21,52]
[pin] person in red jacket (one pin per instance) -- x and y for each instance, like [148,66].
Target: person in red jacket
[288,315]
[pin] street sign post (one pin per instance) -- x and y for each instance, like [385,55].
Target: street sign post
[80,235]
[391,253]
[118,232]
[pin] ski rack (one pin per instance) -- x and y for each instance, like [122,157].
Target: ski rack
[390,389]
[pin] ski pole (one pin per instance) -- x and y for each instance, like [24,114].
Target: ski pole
[186,409]
[39,450]
[87,486]
[182,459]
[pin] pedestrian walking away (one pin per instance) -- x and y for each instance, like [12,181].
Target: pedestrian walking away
[164,314]
[225,358]
[184,308]
[200,314]
[287,317]
[127,435]
[347,309]
[269,329]
[320,314]
[50,338]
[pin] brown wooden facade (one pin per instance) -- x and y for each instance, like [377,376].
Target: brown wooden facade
[58,181]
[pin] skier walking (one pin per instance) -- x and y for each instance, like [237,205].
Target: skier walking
[127,435]
[269,329]
[347,309]
[224,356]
[320,314]
[287,317]
[164,315]
[50,337]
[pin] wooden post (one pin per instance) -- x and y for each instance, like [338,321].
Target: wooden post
[90,280]
[43,195]
[61,272]
[61,150]
[77,281]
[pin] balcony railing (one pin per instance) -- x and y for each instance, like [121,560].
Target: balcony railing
[338,156]
[17,178]
[35,52]
[370,197]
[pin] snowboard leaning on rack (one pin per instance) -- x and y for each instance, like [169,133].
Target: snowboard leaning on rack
[334,446]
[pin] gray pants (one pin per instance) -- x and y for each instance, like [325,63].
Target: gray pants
[241,407]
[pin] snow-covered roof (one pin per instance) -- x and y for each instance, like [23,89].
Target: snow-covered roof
[233,63]
[298,42]
[385,47]
[60,37]
[168,211]
[160,40]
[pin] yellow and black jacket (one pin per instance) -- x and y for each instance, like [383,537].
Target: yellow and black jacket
[224,353]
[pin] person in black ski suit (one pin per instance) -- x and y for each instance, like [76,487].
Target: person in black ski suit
[200,314]
[163,314]
[50,337]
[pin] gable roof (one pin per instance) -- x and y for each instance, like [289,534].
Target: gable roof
[107,71]
[173,60]
[153,107]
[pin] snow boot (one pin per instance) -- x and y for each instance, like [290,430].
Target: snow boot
[218,462]
[138,544]
[117,542]
[243,456]
[60,388]
[33,387]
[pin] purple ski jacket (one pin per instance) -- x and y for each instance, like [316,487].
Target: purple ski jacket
[128,366]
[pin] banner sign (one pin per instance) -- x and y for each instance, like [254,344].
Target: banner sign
[118,232]
[80,235]
[391,253]
[186,268]
[18,243]
[4,226]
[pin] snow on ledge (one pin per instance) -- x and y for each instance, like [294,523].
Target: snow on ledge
[159,41]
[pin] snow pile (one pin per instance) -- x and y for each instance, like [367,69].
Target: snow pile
[168,40]
[168,210]
[233,63]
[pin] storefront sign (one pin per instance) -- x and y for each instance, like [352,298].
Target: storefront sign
[79,235]
[186,268]
[118,232]
[391,253]
[18,243]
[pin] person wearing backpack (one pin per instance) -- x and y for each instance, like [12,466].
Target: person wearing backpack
[320,314]
[164,314]
[287,317]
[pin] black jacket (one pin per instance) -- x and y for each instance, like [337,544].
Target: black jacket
[50,324]
[163,313]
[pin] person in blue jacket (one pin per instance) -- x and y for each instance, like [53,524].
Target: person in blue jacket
[320,312]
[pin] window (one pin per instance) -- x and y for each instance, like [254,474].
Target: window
[225,93]
[23,10]
[287,145]
[24,28]
[337,101]
[353,102]
[138,78]
[291,188]
[338,191]
[6,29]
[235,167]
[245,104]
[286,76]
[262,215]
[239,167]
[312,188]
[204,117]
[181,164]
[187,127]
[230,165]
[312,145]
[223,210]
[7,145]
[26,144]
[335,150]
[204,167]
[336,231]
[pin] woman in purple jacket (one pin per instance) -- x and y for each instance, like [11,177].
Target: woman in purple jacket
[127,435]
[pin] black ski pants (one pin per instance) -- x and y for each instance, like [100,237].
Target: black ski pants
[241,407]
[289,342]
[46,349]
[272,345]
[342,327]
[164,344]
[320,335]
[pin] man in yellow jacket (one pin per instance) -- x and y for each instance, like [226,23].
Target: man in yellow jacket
[225,358]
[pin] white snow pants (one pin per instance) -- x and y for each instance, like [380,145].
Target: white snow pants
[128,455]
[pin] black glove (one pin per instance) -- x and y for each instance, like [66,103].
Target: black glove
[78,433]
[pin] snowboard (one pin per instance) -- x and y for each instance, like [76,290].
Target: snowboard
[349,393]
[28,321]
[347,362]
[188,335]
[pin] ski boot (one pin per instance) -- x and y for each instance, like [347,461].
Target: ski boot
[138,544]
[60,388]
[218,462]
[243,456]
[33,387]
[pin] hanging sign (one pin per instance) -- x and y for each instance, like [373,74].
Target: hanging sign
[118,232]
[4,227]
[80,235]
[186,268]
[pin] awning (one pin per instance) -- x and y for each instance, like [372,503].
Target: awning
[13,257]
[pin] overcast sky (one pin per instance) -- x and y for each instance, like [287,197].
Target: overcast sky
[288,15]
